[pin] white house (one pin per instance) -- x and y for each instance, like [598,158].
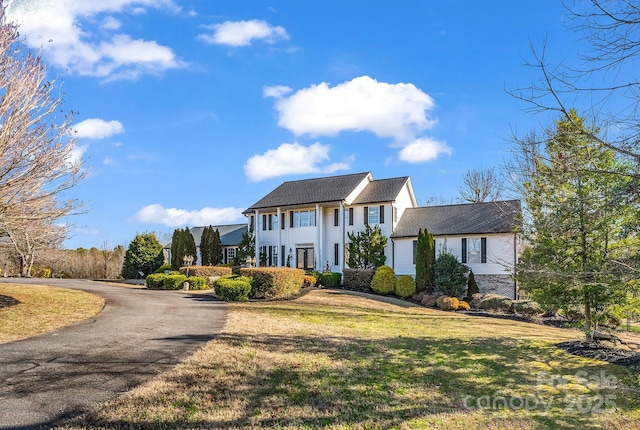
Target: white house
[305,223]
[230,238]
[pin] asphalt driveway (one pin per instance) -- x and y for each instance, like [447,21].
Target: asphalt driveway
[139,334]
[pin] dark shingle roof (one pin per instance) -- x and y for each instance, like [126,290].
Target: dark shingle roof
[471,218]
[317,190]
[382,190]
[230,234]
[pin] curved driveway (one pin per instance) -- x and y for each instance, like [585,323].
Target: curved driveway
[139,334]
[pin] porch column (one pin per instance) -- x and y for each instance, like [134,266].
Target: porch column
[319,238]
[257,236]
[280,257]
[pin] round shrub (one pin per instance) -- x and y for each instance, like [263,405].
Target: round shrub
[447,303]
[233,289]
[527,307]
[197,283]
[430,300]
[464,306]
[309,281]
[384,280]
[494,302]
[164,268]
[476,299]
[405,286]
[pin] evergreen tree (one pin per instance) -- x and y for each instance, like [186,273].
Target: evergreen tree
[176,248]
[210,247]
[190,246]
[450,275]
[216,249]
[366,248]
[579,224]
[472,285]
[143,256]
[425,259]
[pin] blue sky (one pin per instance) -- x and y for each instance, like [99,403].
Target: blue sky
[190,111]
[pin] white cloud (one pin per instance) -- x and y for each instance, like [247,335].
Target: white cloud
[108,161]
[423,150]
[157,214]
[242,33]
[67,28]
[276,91]
[76,153]
[397,111]
[96,128]
[110,23]
[362,104]
[289,159]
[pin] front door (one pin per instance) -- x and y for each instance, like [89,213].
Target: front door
[305,258]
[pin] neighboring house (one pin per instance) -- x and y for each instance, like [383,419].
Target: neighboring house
[305,223]
[230,238]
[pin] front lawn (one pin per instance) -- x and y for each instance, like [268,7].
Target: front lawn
[332,360]
[29,310]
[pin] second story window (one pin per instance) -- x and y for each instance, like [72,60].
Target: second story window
[303,218]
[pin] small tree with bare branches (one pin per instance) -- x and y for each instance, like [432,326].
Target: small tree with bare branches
[479,185]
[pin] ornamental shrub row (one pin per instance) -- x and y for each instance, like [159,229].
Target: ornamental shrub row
[174,281]
[207,271]
[358,279]
[233,288]
[330,279]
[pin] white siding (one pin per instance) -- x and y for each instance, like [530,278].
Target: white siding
[403,200]
[500,253]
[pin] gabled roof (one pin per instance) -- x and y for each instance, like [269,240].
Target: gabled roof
[230,234]
[469,218]
[307,191]
[381,190]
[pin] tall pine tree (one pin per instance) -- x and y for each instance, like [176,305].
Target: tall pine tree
[210,247]
[182,245]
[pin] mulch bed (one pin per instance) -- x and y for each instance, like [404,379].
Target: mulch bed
[601,351]
[7,301]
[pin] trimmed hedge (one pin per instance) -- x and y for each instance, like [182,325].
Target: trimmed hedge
[207,271]
[155,281]
[273,282]
[330,279]
[197,283]
[233,288]
[405,286]
[358,279]
[174,282]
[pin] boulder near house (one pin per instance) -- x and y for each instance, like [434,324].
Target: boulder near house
[305,223]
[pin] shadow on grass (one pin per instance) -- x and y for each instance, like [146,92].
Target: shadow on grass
[307,381]
[8,301]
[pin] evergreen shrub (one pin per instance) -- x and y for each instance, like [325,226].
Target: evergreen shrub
[384,280]
[405,286]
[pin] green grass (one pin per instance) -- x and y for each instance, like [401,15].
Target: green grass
[331,360]
[43,309]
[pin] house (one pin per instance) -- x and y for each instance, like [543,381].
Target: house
[305,223]
[230,238]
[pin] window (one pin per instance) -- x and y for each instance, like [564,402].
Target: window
[336,254]
[336,217]
[303,218]
[415,248]
[348,216]
[374,214]
[474,250]
[252,223]
[263,222]
[282,218]
[394,214]
[282,256]
[231,254]
[273,222]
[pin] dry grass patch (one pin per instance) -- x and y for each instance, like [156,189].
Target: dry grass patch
[330,360]
[42,309]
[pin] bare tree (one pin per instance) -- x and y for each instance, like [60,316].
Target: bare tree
[36,148]
[480,185]
[603,87]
